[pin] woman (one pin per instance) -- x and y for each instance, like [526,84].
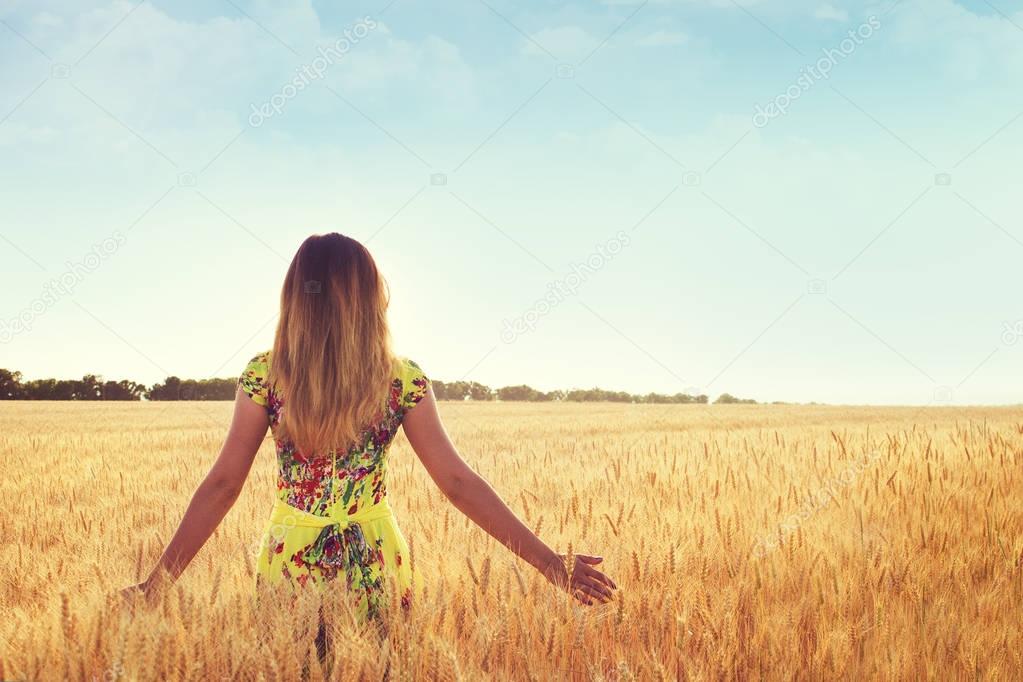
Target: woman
[333,396]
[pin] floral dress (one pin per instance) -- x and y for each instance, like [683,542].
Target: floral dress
[331,520]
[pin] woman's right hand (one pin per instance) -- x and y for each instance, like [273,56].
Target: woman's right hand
[582,580]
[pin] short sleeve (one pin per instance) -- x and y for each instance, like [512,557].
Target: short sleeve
[414,384]
[253,379]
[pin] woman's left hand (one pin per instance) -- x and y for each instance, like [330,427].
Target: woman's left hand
[583,581]
[131,594]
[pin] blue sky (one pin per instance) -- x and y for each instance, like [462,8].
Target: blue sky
[862,246]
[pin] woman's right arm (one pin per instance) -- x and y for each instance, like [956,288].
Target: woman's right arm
[475,498]
[215,495]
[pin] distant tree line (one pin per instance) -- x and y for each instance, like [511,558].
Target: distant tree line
[89,387]
[726,399]
[471,390]
[174,388]
[93,387]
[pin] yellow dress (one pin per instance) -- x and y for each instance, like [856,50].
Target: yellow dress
[331,520]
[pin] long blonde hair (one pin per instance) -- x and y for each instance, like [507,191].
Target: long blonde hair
[332,361]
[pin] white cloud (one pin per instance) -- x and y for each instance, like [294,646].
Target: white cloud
[663,38]
[186,86]
[566,42]
[727,4]
[386,63]
[831,13]
[964,45]
[47,19]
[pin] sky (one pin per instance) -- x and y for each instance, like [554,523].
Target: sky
[784,201]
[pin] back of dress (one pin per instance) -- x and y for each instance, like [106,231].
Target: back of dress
[331,516]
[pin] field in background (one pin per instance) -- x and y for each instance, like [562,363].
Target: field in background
[746,541]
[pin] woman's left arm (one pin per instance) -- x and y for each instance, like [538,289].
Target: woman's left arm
[216,494]
[473,496]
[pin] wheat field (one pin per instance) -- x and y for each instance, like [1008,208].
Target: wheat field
[748,542]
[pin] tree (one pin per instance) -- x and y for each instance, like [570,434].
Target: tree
[728,399]
[89,388]
[10,385]
[594,395]
[170,389]
[122,390]
[479,391]
[440,389]
[457,390]
[51,389]
[175,388]
[521,392]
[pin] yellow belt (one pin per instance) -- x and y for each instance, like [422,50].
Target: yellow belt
[285,515]
[341,543]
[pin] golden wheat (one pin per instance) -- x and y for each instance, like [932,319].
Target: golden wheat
[746,541]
